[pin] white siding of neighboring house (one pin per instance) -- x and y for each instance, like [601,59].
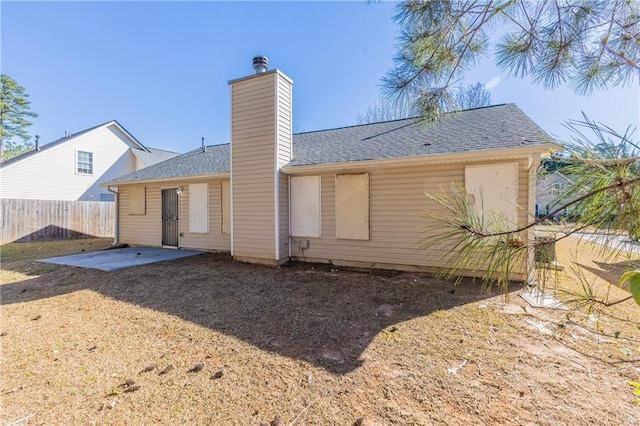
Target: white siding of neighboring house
[51,173]
[138,164]
[546,199]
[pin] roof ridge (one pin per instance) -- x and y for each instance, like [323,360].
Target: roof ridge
[163,150]
[199,149]
[355,125]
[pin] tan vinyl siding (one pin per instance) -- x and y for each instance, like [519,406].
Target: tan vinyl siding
[532,187]
[284,137]
[283,235]
[140,229]
[397,196]
[214,240]
[531,207]
[253,159]
[285,121]
[147,229]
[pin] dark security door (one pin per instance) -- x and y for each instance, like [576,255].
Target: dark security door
[170,217]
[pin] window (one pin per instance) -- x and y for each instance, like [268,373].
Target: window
[352,206]
[305,206]
[556,188]
[84,162]
[199,208]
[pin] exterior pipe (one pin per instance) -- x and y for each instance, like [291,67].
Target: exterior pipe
[116,229]
[289,198]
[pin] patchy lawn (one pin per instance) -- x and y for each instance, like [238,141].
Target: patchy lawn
[205,340]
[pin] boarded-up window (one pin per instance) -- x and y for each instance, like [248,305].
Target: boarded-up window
[225,205]
[494,191]
[305,206]
[199,208]
[137,200]
[352,206]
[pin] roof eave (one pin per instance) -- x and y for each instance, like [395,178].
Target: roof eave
[167,179]
[470,156]
[129,135]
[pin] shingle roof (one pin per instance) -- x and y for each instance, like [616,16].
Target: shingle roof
[153,155]
[215,159]
[480,129]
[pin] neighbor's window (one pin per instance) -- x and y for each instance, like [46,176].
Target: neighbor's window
[84,162]
[352,206]
[556,188]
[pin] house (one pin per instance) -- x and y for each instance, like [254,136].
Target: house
[72,167]
[349,196]
[551,193]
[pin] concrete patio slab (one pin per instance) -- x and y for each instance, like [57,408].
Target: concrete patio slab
[111,260]
[616,242]
[540,299]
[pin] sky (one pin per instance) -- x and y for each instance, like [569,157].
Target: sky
[161,69]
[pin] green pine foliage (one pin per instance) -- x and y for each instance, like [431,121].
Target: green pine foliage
[587,44]
[15,110]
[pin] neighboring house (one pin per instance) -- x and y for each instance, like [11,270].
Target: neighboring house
[71,168]
[349,196]
[551,193]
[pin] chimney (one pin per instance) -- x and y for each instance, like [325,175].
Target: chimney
[261,138]
[204,147]
[37,142]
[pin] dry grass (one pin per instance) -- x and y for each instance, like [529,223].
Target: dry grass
[302,344]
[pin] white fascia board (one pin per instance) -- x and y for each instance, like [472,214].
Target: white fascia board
[169,180]
[129,135]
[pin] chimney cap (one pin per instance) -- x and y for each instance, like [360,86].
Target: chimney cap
[260,64]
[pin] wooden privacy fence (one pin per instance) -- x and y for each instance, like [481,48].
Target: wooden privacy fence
[45,220]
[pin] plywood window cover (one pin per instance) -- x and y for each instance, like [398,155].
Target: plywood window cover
[137,200]
[306,206]
[482,182]
[199,208]
[353,206]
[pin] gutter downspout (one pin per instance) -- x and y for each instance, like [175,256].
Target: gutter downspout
[289,219]
[116,229]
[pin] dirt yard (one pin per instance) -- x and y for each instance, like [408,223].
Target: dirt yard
[205,340]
